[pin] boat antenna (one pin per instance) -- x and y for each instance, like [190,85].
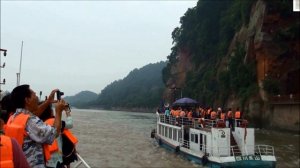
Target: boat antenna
[19,73]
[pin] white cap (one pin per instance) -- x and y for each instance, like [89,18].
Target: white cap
[219,109]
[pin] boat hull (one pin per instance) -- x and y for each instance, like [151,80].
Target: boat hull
[208,163]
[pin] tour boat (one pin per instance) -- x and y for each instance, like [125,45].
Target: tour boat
[211,143]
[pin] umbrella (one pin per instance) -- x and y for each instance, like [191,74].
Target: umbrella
[185,102]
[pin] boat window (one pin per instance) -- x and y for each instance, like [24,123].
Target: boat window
[170,133]
[159,129]
[196,138]
[202,139]
[175,134]
[166,131]
[179,135]
[193,137]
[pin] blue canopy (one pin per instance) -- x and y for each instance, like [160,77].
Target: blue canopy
[185,102]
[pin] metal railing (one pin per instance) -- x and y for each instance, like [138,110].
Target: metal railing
[264,150]
[192,122]
[81,161]
[184,143]
[197,122]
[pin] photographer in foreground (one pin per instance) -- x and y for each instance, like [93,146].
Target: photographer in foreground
[29,130]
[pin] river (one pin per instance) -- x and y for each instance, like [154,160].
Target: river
[122,139]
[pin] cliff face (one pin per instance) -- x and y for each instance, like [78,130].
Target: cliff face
[277,59]
[270,38]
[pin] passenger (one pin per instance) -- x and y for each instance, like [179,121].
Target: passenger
[167,114]
[213,115]
[213,118]
[196,112]
[182,113]
[167,111]
[219,111]
[223,116]
[202,113]
[230,118]
[11,154]
[53,152]
[7,105]
[237,116]
[201,122]
[207,113]
[29,129]
[68,140]
[190,115]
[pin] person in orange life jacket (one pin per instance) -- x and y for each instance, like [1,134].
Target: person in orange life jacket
[68,140]
[230,118]
[53,154]
[56,158]
[237,116]
[11,154]
[222,115]
[34,132]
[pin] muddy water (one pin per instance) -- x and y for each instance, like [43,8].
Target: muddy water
[122,139]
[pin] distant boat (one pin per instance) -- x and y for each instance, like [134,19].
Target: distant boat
[211,144]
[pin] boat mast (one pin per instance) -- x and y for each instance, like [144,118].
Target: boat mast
[19,73]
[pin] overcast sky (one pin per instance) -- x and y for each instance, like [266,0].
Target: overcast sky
[84,45]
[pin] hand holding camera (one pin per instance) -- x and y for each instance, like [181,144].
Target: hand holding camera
[59,94]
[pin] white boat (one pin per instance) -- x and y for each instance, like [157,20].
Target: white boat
[211,144]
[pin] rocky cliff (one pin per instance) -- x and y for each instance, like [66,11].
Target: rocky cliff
[271,40]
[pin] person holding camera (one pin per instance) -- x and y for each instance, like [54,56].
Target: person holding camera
[62,151]
[30,131]
[69,141]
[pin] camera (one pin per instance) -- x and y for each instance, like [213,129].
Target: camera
[59,94]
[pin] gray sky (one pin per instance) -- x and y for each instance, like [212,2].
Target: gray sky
[84,45]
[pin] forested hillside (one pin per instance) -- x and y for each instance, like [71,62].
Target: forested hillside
[81,99]
[141,88]
[237,53]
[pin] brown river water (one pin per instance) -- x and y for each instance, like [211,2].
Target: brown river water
[122,139]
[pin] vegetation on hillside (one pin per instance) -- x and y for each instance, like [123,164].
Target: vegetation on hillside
[140,88]
[206,31]
[82,99]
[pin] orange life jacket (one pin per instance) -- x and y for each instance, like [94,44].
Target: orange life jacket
[222,116]
[71,137]
[237,115]
[49,149]
[15,127]
[229,114]
[6,152]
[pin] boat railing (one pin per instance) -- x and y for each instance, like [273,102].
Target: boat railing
[261,150]
[178,121]
[264,150]
[192,122]
[184,143]
[235,151]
